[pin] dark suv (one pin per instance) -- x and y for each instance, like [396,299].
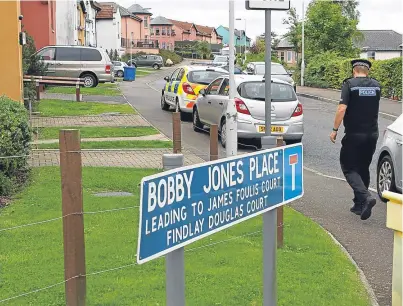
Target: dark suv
[154,61]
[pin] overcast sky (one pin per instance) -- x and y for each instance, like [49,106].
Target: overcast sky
[375,14]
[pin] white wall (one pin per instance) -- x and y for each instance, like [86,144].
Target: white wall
[66,20]
[90,28]
[383,55]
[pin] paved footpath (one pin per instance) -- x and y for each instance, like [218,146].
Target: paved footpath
[387,107]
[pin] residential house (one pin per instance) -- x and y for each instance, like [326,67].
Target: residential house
[286,53]
[80,25]
[239,37]
[142,13]
[10,51]
[92,9]
[66,16]
[40,21]
[119,29]
[162,30]
[380,44]
[189,31]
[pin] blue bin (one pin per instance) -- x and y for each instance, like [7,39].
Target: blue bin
[129,73]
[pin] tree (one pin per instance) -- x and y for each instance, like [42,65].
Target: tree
[111,54]
[258,47]
[31,63]
[275,40]
[349,8]
[203,48]
[328,29]
[116,55]
[294,34]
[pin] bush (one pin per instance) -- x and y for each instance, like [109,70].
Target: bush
[260,57]
[15,137]
[175,58]
[6,186]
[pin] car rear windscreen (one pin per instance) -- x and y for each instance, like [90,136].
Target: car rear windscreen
[203,77]
[256,91]
[275,70]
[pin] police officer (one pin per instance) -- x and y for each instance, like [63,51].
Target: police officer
[358,109]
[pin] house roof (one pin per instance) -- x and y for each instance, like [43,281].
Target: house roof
[238,33]
[95,5]
[380,40]
[285,43]
[160,20]
[137,9]
[108,8]
[186,26]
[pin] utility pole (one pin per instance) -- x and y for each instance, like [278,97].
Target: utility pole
[131,48]
[303,45]
[231,133]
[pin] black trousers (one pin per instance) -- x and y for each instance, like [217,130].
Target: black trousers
[355,158]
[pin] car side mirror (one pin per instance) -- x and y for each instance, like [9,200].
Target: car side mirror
[202,92]
[167,78]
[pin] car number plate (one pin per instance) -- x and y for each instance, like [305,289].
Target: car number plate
[274,129]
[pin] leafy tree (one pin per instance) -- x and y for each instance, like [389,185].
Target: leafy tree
[258,47]
[327,29]
[116,56]
[294,34]
[111,54]
[349,8]
[203,48]
[31,63]
[275,40]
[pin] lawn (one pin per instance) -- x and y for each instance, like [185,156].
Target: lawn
[100,132]
[311,268]
[50,108]
[123,144]
[105,89]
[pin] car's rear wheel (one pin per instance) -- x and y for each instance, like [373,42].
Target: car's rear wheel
[89,80]
[223,133]
[385,179]
[120,73]
[164,104]
[197,125]
[156,67]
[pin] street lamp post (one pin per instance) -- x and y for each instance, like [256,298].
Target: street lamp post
[303,45]
[246,41]
[131,48]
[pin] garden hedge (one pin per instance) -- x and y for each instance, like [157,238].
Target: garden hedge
[328,70]
[15,137]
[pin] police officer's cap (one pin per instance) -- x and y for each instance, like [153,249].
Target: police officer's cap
[361,62]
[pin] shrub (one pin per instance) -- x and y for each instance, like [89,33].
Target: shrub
[15,137]
[6,185]
[175,58]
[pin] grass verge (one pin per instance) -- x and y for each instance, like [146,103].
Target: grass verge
[105,89]
[49,108]
[312,270]
[123,144]
[100,132]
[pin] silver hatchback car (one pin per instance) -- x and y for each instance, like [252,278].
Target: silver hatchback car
[91,64]
[389,170]
[287,113]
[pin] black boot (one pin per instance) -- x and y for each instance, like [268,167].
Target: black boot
[367,208]
[357,208]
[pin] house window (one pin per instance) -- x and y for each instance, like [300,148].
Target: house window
[164,32]
[169,31]
[163,45]
[371,55]
[289,56]
[282,56]
[151,31]
[146,22]
[157,31]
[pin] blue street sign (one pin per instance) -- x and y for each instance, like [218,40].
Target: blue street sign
[186,204]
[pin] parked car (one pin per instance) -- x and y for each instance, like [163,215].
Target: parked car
[287,113]
[237,69]
[220,60]
[277,71]
[119,68]
[154,61]
[184,84]
[389,170]
[91,64]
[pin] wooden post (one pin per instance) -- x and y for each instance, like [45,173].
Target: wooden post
[38,91]
[213,142]
[176,132]
[73,222]
[280,212]
[78,97]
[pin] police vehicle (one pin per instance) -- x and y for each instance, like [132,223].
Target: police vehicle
[183,85]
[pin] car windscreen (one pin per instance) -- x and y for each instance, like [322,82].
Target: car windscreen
[220,59]
[256,91]
[203,77]
[278,70]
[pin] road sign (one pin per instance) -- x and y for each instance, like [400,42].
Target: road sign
[268,5]
[183,205]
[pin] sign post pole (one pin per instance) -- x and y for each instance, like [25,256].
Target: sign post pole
[175,260]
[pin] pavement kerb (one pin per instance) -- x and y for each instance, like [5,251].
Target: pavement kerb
[384,115]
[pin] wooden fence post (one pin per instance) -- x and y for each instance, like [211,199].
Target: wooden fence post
[73,221]
[78,96]
[214,142]
[280,212]
[38,91]
[176,132]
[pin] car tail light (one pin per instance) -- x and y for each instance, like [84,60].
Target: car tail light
[188,89]
[108,69]
[241,107]
[298,110]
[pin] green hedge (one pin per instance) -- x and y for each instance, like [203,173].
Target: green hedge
[328,70]
[15,136]
[175,58]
